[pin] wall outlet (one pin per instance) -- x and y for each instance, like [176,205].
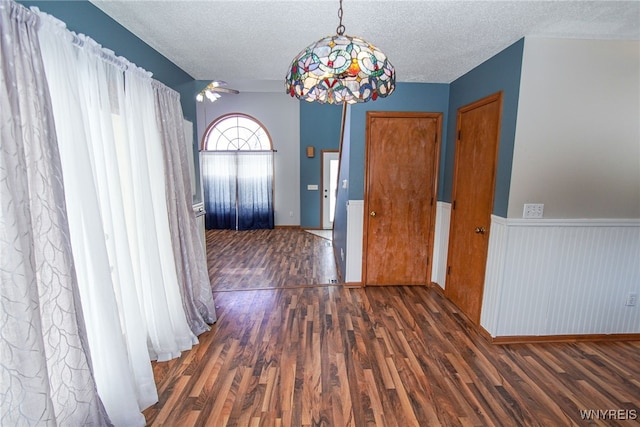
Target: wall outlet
[533,210]
[632,300]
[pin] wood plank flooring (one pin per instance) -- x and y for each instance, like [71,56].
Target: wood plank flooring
[390,356]
[267,259]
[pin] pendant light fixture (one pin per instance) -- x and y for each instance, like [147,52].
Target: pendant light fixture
[340,69]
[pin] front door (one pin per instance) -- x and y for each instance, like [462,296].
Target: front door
[472,203]
[400,195]
[329,187]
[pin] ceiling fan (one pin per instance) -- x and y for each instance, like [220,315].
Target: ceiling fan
[213,90]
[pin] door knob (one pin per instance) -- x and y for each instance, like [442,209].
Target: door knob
[480,230]
[372,213]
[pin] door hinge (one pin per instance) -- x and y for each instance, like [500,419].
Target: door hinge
[459,135]
[431,201]
[449,270]
[435,138]
[453,205]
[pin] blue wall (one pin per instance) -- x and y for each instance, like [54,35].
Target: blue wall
[420,97]
[320,128]
[500,73]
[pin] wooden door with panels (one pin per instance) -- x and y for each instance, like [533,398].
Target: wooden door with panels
[402,157]
[476,156]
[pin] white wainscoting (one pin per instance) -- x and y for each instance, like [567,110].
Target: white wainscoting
[441,244]
[355,224]
[561,277]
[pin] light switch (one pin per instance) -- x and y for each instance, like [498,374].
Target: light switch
[533,210]
[312,187]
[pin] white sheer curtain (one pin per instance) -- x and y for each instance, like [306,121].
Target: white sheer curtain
[168,330]
[238,189]
[255,190]
[112,163]
[219,171]
[83,130]
[45,370]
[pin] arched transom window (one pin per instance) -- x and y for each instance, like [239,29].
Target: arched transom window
[236,132]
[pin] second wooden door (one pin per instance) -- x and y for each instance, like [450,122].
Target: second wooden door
[472,204]
[400,196]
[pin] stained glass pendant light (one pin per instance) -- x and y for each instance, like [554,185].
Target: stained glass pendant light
[340,69]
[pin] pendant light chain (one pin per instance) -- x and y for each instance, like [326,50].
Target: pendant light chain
[340,29]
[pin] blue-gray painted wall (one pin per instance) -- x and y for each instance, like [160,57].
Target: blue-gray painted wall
[320,128]
[499,73]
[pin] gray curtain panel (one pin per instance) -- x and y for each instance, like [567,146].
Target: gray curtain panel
[191,263]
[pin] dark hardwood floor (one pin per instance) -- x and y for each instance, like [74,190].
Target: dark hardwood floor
[390,356]
[268,259]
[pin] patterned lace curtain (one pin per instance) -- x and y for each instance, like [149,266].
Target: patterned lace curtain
[45,370]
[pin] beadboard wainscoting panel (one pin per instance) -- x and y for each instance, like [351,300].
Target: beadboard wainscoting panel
[561,277]
[355,224]
[493,276]
[441,244]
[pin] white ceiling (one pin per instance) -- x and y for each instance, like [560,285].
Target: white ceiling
[249,43]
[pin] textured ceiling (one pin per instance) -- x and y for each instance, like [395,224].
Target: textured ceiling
[244,42]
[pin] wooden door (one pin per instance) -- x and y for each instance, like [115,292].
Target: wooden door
[472,202]
[400,194]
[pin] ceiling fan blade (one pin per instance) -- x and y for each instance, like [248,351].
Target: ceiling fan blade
[225,90]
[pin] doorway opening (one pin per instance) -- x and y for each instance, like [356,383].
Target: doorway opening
[330,165]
